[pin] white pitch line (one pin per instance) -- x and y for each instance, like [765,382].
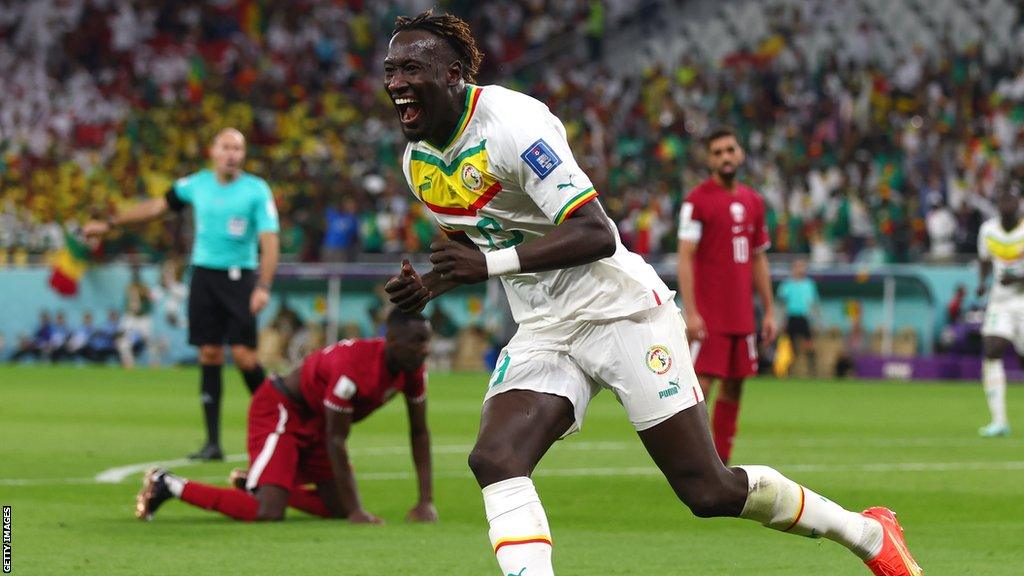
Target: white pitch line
[1011,466]
[881,442]
[44,481]
[118,474]
[115,475]
[611,471]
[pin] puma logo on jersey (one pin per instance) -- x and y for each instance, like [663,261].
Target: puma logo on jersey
[672,390]
[568,184]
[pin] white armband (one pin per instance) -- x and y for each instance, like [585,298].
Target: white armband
[690,230]
[501,262]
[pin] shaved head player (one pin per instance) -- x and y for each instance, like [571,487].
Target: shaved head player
[234,213]
[298,431]
[494,168]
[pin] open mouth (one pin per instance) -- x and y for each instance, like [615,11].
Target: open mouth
[409,110]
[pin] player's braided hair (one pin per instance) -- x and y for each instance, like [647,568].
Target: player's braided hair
[454,30]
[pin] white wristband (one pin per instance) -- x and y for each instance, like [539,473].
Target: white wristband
[501,262]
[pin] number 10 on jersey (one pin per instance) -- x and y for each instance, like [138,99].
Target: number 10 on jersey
[740,250]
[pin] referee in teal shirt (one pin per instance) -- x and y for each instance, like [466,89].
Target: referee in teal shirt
[233,212]
[800,300]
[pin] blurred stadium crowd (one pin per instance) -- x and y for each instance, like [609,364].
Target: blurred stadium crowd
[877,131]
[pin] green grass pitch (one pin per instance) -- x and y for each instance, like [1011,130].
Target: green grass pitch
[912,447]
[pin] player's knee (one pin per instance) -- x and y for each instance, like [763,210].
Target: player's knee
[724,496]
[245,363]
[481,462]
[244,358]
[272,511]
[211,355]
[270,515]
[994,352]
[490,464]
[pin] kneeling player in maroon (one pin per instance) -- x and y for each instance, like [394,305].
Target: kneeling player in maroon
[298,427]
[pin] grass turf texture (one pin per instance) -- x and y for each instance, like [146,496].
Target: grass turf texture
[610,511]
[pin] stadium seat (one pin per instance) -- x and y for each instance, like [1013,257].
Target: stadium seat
[905,342]
[829,346]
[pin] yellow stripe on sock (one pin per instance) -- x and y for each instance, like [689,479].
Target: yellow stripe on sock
[799,512]
[536,539]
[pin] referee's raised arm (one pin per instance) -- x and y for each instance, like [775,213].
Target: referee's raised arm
[236,232]
[142,212]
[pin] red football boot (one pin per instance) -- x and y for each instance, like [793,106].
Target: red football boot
[894,559]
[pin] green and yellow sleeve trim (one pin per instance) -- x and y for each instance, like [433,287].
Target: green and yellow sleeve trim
[575,203]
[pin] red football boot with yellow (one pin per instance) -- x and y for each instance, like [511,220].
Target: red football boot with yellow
[894,558]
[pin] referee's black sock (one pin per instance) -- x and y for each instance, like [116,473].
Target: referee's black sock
[253,378]
[210,393]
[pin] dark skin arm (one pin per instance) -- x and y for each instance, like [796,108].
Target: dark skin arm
[984,269]
[584,237]
[419,439]
[411,292]
[339,424]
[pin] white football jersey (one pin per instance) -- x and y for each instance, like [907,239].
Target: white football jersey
[507,177]
[1006,252]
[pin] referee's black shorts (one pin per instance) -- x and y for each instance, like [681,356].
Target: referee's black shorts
[798,328]
[218,308]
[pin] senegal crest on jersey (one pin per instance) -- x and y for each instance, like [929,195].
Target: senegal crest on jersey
[464,185]
[471,177]
[659,359]
[461,187]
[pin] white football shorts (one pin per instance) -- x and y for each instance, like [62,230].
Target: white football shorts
[1005,320]
[643,359]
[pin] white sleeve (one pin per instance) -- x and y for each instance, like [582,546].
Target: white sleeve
[536,156]
[690,229]
[983,251]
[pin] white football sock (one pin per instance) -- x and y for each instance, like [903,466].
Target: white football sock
[174,483]
[519,529]
[994,380]
[779,503]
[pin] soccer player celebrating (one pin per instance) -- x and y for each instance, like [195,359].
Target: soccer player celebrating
[299,425]
[722,245]
[233,211]
[494,168]
[1001,250]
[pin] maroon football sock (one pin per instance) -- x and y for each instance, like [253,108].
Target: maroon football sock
[228,501]
[309,501]
[723,426]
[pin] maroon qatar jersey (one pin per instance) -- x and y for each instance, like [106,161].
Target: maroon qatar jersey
[729,228]
[351,376]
